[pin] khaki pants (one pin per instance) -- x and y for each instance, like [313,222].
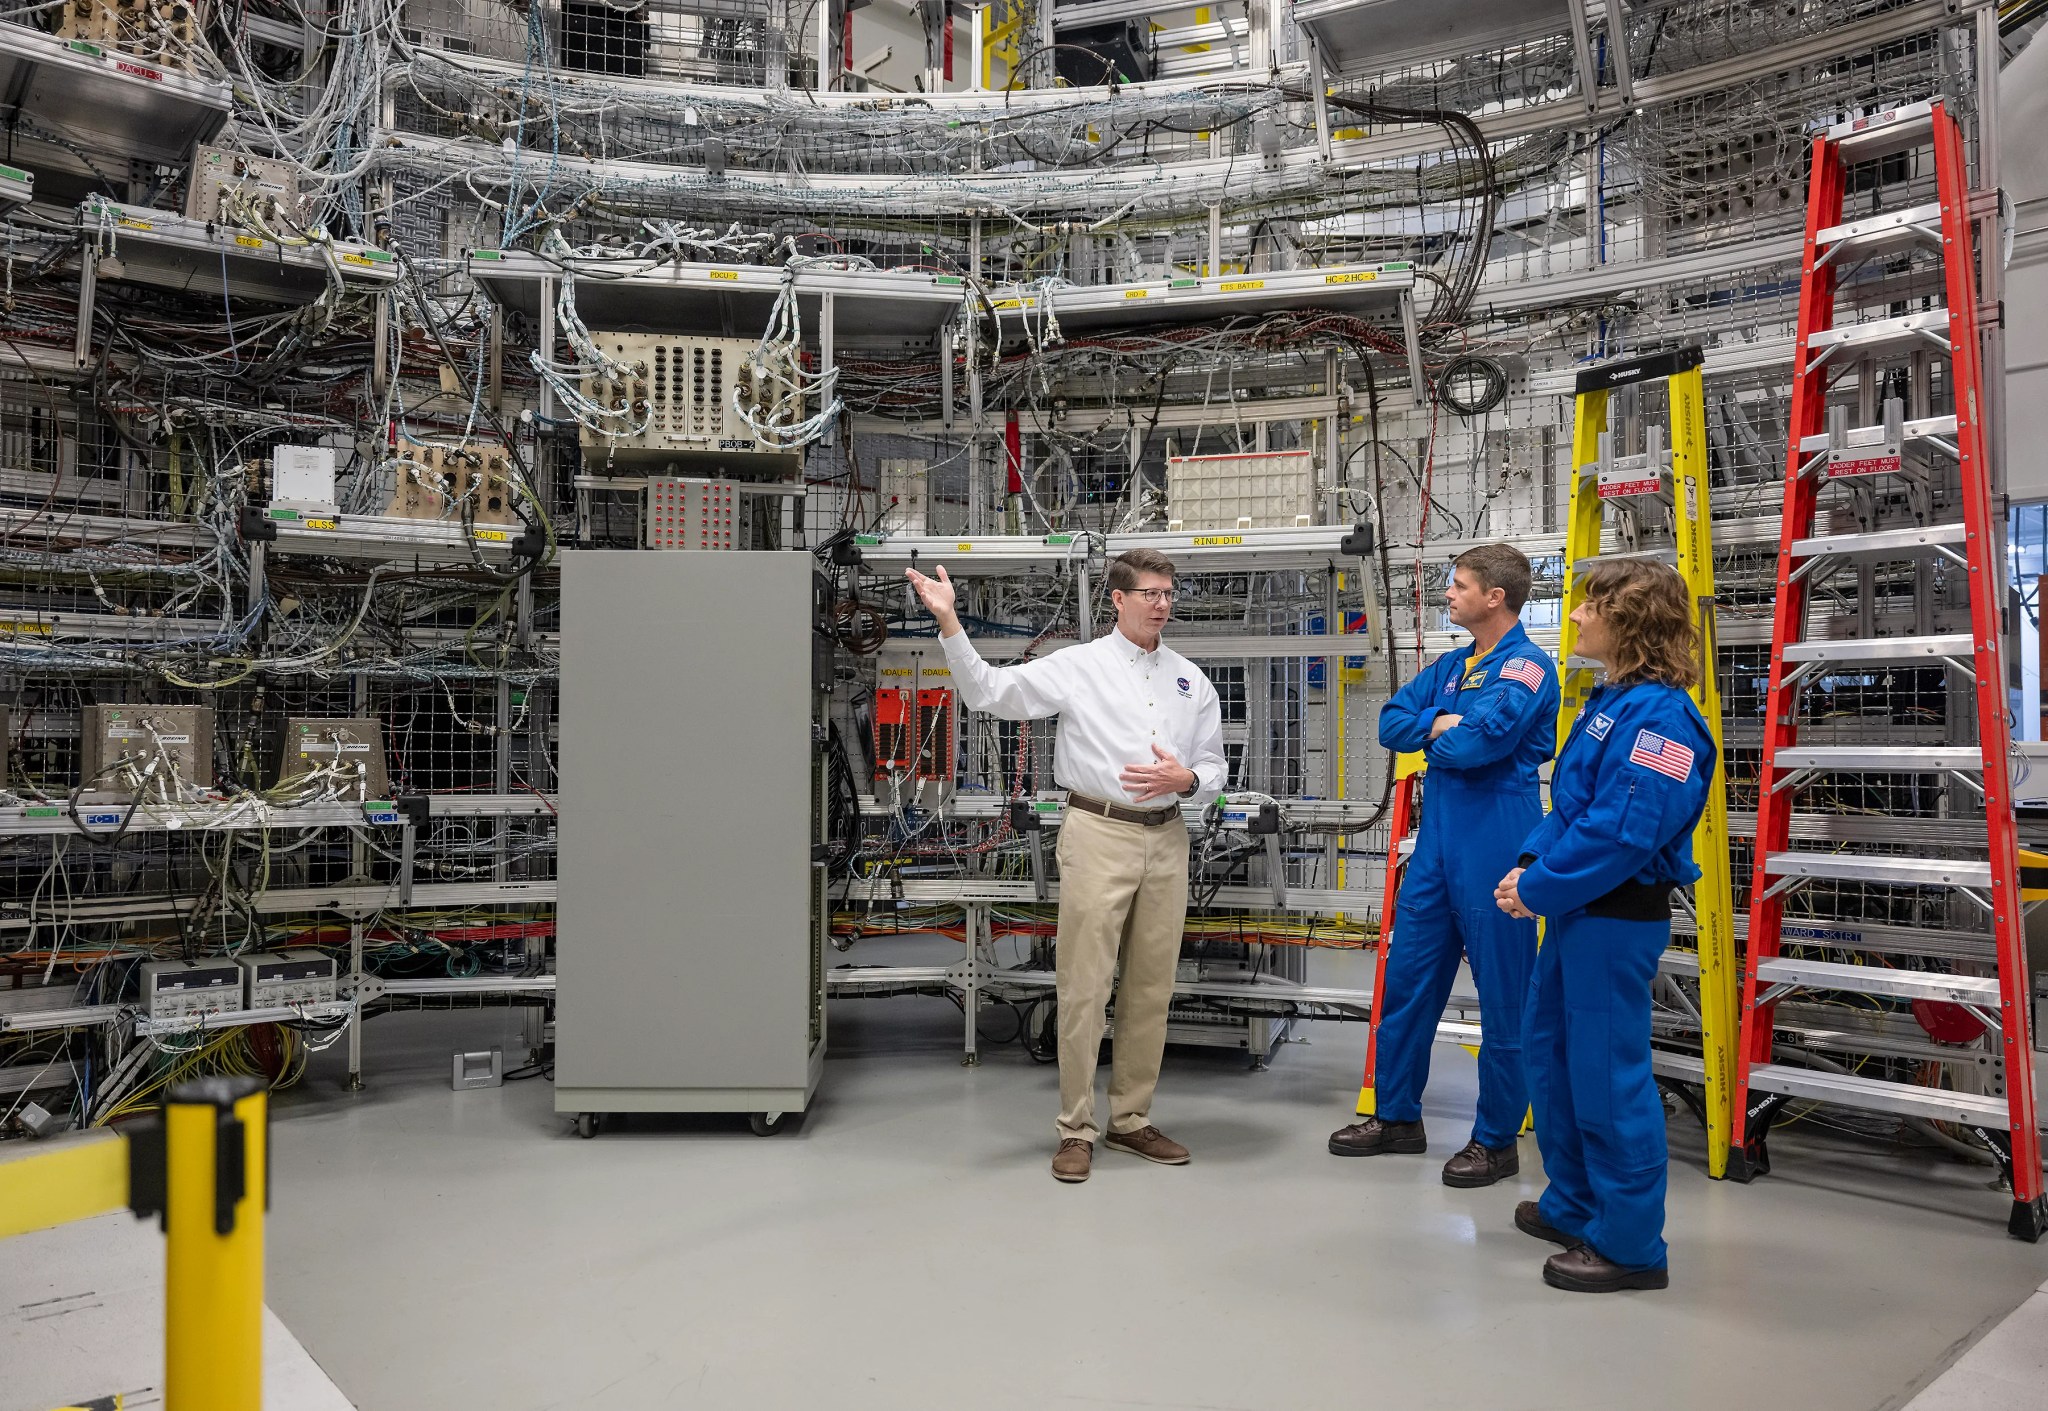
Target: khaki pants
[1123,893]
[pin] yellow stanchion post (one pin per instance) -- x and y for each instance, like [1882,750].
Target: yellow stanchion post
[215,1145]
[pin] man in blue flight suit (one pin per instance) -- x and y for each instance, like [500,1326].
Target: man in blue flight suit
[1486,720]
[1625,797]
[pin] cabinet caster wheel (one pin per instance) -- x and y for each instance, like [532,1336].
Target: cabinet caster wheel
[586,1125]
[766,1124]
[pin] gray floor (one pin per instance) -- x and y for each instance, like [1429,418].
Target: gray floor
[907,1249]
[82,1316]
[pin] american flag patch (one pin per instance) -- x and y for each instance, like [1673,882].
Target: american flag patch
[1667,757]
[1525,671]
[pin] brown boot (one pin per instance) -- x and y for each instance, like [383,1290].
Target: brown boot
[1480,1165]
[1372,1136]
[1587,1270]
[1070,1163]
[1529,1220]
[1150,1143]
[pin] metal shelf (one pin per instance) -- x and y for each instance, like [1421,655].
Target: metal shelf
[103,814]
[1192,551]
[110,104]
[165,249]
[1363,291]
[1198,648]
[1388,31]
[369,536]
[723,300]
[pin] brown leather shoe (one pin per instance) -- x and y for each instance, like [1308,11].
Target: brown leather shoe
[1150,1143]
[1529,1220]
[1586,1270]
[1480,1165]
[1372,1137]
[1071,1162]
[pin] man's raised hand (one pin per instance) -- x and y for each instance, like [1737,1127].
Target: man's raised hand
[937,596]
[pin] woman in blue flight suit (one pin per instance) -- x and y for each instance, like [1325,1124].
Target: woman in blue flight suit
[1627,790]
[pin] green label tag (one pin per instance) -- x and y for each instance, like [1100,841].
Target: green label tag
[79,46]
[40,811]
[1046,805]
[284,514]
[1184,283]
[487,254]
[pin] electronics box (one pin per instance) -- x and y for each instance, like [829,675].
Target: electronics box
[684,389]
[282,979]
[217,173]
[1263,490]
[691,514]
[188,989]
[313,742]
[302,478]
[116,732]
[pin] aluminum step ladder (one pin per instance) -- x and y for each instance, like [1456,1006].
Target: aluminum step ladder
[1653,503]
[1894,463]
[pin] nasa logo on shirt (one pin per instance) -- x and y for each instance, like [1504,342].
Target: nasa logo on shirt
[1186,687]
[1600,726]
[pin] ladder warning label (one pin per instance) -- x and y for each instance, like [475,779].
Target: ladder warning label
[1618,489]
[1864,465]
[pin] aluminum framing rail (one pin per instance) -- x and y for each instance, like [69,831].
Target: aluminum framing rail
[993,890]
[717,299]
[109,102]
[1193,551]
[1352,289]
[172,251]
[374,537]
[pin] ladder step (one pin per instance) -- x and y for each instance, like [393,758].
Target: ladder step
[1927,649]
[1865,139]
[1667,554]
[1859,437]
[1901,871]
[1875,1095]
[1686,1067]
[1879,980]
[1883,541]
[1864,340]
[1891,228]
[1886,759]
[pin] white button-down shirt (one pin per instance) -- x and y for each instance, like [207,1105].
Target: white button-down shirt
[1115,702]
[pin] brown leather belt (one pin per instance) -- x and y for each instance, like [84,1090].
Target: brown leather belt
[1145,818]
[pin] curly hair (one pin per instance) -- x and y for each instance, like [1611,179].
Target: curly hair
[1649,615]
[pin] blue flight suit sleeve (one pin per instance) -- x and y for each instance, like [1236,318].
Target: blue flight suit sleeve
[1633,812]
[1406,717]
[1494,723]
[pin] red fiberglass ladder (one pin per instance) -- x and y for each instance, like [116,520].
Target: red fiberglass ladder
[1909,911]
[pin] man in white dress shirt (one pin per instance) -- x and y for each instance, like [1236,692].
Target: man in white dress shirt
[1140,730]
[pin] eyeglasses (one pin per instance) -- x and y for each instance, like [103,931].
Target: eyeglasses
[1152,595]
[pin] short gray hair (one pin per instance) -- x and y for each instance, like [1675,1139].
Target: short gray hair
[1126,568]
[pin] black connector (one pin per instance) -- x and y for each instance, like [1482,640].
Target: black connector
[1024,817]
[413,808]
[846,553]
[1266,821]
[257,525]
[1359,542]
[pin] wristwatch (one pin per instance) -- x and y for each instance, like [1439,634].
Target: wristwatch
[1189,791]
